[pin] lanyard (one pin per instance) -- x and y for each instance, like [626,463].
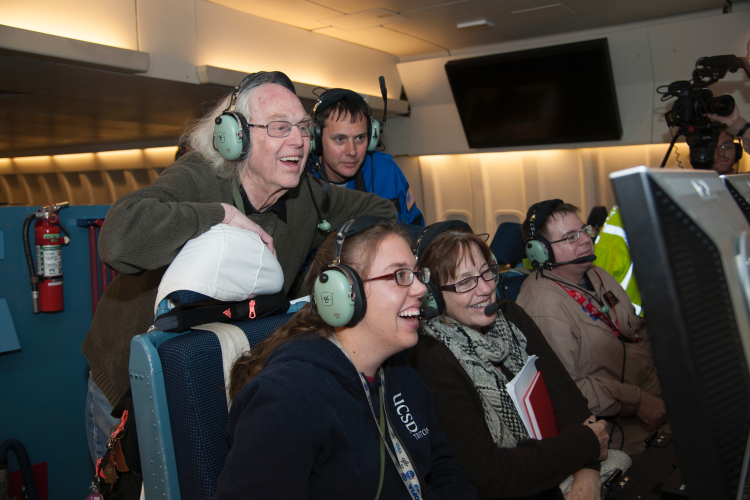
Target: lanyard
[403,463]
[591,308]
[237,197]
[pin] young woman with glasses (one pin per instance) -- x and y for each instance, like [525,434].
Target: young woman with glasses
[337,412]
[466,357]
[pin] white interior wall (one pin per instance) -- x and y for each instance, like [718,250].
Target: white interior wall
[490,188]
[109,22]
[182,34]
[643,57]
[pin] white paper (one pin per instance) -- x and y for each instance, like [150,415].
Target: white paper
[518,387]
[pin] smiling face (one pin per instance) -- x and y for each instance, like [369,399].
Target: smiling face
[558,228]
[344,146]
[392,316]
[468,308]
[724,154]
[275,163]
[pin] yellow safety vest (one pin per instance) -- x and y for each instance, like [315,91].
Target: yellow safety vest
[613,255]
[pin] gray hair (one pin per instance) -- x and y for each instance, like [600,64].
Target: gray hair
[199,134]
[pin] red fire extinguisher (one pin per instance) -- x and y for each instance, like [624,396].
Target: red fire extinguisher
[46,275]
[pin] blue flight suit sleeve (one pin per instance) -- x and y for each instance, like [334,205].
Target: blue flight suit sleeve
[390,184]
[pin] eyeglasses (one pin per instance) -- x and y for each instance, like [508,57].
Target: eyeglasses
[283,129]
[468,284]
[726,147]
[405,277]
[573,237]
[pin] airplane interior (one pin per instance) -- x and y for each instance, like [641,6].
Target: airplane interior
[489,107]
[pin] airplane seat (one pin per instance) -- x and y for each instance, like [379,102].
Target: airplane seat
[180,403]
[507,245]
[508,248]
[187,297]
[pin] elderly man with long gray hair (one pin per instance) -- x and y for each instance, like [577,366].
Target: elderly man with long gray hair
[258,188]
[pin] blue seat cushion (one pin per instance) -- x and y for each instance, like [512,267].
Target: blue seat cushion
[187,297]
[507,246]
[194,383]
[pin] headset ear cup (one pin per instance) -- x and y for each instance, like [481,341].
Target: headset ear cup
[360,302]
[331,296]
[539,251]
[737,152]
[437,301]
[245,135]
[230,137]
[316,140]
[373,132]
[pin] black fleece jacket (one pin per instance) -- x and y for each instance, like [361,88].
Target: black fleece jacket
[303,429]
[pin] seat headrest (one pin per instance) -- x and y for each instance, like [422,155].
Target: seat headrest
[224,263]
[508,245]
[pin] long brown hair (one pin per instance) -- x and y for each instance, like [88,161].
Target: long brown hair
[358,252]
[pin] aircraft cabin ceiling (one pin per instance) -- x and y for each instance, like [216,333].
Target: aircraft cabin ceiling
[50,107]
[419,28]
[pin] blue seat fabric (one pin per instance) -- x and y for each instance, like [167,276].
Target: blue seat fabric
[187,297]
[507,246]
[194,382]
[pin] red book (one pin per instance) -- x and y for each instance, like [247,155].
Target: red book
[539,406]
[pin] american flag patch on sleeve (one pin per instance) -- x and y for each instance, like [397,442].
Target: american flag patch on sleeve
[409,200]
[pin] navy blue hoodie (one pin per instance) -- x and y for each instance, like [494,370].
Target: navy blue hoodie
[303,429]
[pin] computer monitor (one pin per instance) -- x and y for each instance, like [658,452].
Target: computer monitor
[739,187]
[689,244]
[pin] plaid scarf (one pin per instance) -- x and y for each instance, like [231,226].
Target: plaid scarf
[478,355]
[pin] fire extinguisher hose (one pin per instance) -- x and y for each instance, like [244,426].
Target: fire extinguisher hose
[27,245]
[30,261]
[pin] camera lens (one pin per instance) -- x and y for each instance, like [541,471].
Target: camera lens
[722,105]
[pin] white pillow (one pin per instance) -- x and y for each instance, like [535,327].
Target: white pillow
[226,263]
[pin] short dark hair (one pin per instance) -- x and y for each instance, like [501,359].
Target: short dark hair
[543,228]
[355,108]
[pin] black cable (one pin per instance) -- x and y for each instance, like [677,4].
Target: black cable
[26,245]
[62,226]
[23,463]
[372,170]
[309,186]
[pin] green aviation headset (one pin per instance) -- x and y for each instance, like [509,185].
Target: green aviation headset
[338,294]
[332,96]
[538,248]
[231,131]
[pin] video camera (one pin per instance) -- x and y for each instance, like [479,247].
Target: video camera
[694,100]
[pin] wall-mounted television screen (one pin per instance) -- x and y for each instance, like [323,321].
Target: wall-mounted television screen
[551,95]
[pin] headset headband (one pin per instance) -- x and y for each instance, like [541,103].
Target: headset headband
[340,237]
[277,77]
[332,96]
[428,234]
[539,212]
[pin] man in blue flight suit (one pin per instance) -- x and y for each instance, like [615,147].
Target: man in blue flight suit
[344,139]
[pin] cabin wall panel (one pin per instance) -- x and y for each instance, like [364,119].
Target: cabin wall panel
[111,22]
[235,40]
[492,188]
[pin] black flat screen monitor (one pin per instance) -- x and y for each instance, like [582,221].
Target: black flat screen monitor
[689,243]
[552,95]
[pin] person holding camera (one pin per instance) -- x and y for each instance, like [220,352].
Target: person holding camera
[737,127]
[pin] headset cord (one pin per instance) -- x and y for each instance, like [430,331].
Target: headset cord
[372,170]
[613,419]
[312,196]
